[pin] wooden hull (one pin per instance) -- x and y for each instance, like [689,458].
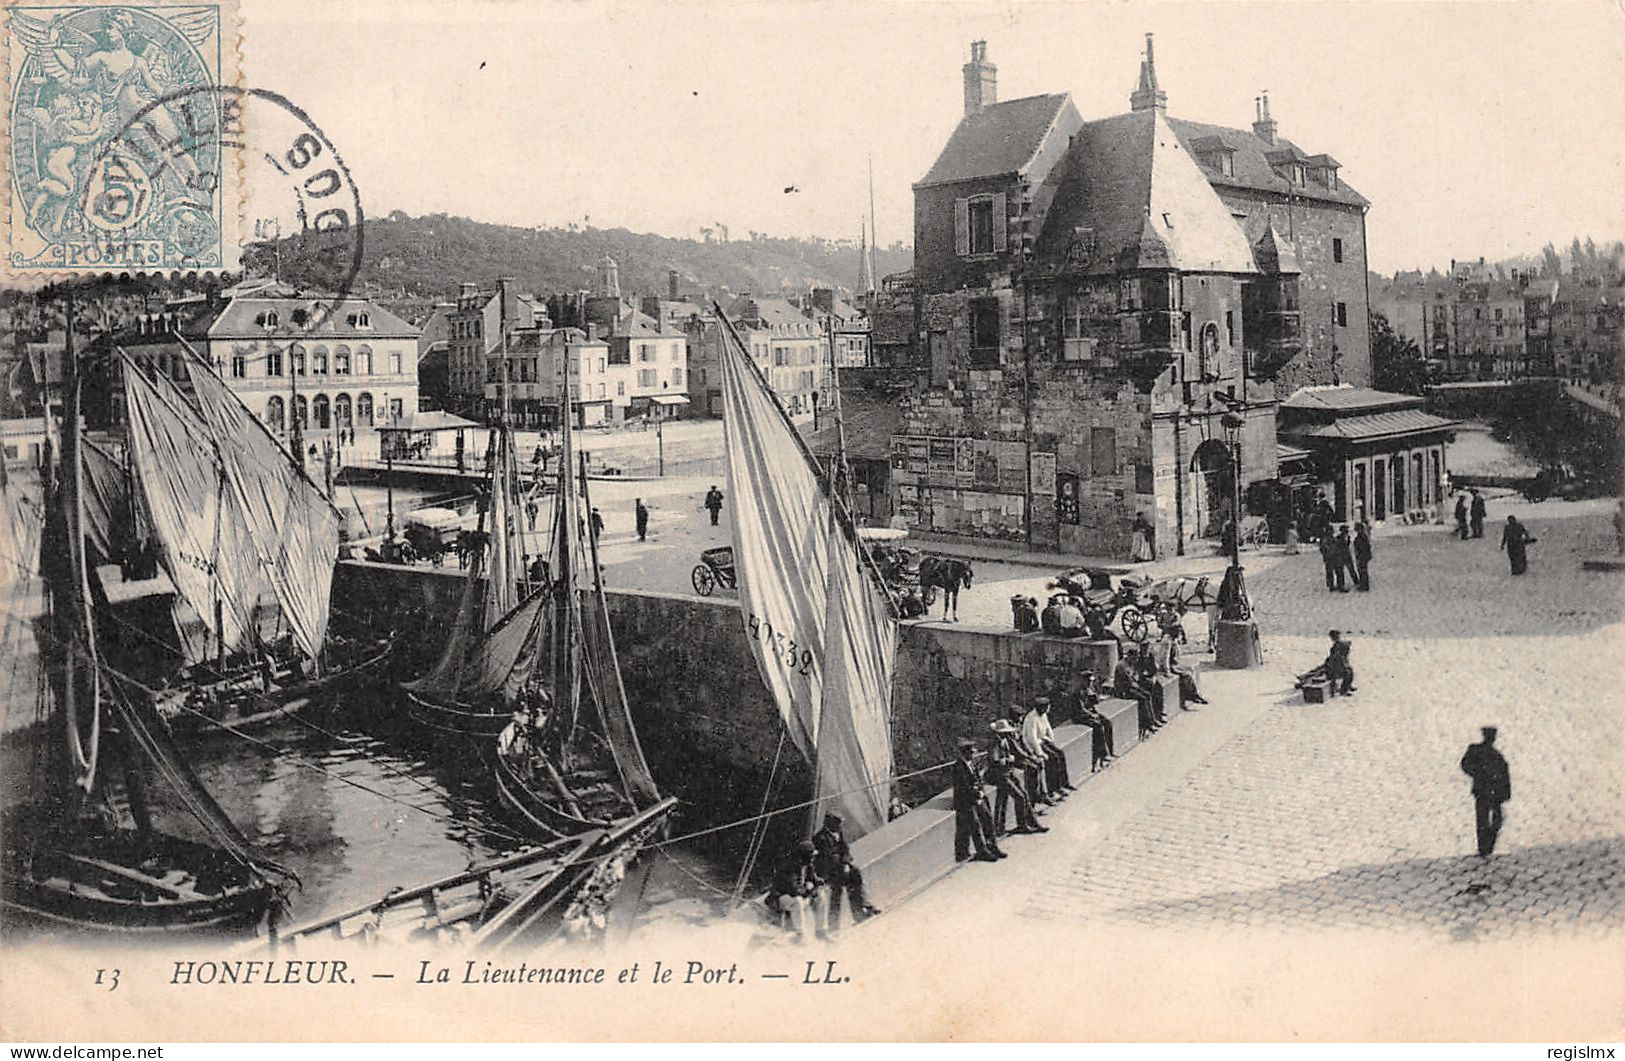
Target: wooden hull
[456,719]
[238,709]
[110,884]
[541,812]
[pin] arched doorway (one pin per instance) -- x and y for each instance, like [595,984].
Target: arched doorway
[1211,466]
[319,409]
[273,415]
[341,412]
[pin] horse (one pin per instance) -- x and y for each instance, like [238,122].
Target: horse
[949,575]
[469,545]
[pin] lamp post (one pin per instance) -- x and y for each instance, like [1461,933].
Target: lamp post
[1237,645]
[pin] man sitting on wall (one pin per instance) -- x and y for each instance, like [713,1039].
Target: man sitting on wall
[797,890]
[833,863]
[1038,736]
[1128,685]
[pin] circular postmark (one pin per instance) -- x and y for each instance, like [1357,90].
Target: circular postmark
[194,169]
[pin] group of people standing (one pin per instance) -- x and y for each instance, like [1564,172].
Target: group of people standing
[1347,559]
[1471,512]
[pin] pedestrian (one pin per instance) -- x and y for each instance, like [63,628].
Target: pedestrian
[1461,516]
[832,862]
[1024,614]
[641,513]
[1515,539]
[1084,710]
[1323,517]
[1005,759]
[1189,690]
[531,508]
[797,891]
[1328,560]
[713,502]
[1034,776]
[1143,546]
[973,821]
[1477,513]
[1291,542]
[1126,685]
[1227,538]
[597,523]
[1492,786]
[1362,556]
[1343,550]
[1039,735]
[1339,672]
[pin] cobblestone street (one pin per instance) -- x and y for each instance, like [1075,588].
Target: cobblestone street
[1264,811]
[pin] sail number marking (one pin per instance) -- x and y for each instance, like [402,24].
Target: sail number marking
[794,654]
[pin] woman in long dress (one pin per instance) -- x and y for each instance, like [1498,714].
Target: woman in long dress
[1143,547]
[1291,540]
[1515,540]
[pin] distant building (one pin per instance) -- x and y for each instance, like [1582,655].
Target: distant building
[1588,329]
[478,324]
[434,357]
[847,326]
[292,357]
[790,349]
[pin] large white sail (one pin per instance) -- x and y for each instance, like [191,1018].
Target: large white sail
[823,635]
[206,551]
[294,528]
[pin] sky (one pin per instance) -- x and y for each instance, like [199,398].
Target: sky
[1474,128]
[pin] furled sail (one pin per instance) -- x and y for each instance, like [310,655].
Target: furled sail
[295,530]
[109,523]
[822,632]
[207,551]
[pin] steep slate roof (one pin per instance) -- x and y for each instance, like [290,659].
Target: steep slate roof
[1252,167]
[1000,138]
[1131,182]
[236,319]
[1346,399]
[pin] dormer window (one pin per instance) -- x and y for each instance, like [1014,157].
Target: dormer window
[1330,176]
[1299,175]
[269,319]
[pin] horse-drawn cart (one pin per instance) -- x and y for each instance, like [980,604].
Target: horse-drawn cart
[716,568]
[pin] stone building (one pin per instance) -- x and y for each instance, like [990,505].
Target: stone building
[292,357]
[478,327]
[790,348]
[1093,297]
[1588,328]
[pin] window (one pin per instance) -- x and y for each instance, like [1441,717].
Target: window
[644,352]
[1497,312]
[273,362]
[301,415]
[363,361]
[273,414]
[646,377]
[239,366]
[981,226]
[677,377]
[1130,294]
[319,408]
[600,364]
[1299,177]
[298,355]
[363,410]
[395,362]
[1337,250]
[984,333]
[1342,315]
[395,409]
[271,319]
[1230,327]
[1075,345]
[342,413]
[600,390]
[341,361]
[1500,331]
[620,388]
[318,361]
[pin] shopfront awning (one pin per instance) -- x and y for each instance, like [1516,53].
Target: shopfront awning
[669,399]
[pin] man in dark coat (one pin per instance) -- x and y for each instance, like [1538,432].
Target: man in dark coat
[1322,518]
[1461,516]
[1339,671]
[1515,540]
[1328,559]
[797,890]
[1084,711]
[641,513]
[1127,685]
[713,503]
[1362,556]
[1492,786]
[832,861]
[1006,764]
[1477,514]
[1343,558]
[596,522]
[973,821]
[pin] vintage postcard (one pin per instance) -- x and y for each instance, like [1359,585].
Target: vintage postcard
[941,521]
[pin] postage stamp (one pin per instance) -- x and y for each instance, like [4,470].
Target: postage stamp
[114,161]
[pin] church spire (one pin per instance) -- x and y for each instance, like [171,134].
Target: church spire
[866,269]
[1148,96]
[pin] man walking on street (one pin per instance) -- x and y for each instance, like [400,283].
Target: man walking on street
[1461,516]
[973,821]
[1477,513]
[1362,556]
[597,523]
[642,515]
[1492,786]
[713,502]
[1328,560]
[1515,540]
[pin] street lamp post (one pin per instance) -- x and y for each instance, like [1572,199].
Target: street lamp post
[1237,646]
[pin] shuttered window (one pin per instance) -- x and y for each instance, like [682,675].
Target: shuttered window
[981,225]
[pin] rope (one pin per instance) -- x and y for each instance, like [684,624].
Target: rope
[799,806]
[695,877]
[758,835]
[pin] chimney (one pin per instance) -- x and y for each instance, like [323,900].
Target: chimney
[981,80]
[592,332]
[467,289]
[1148,96]
[505,293]
[671,284]
[1263,124]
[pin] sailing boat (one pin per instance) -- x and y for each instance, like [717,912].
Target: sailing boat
[84,851]
[247,541]
[817,615]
